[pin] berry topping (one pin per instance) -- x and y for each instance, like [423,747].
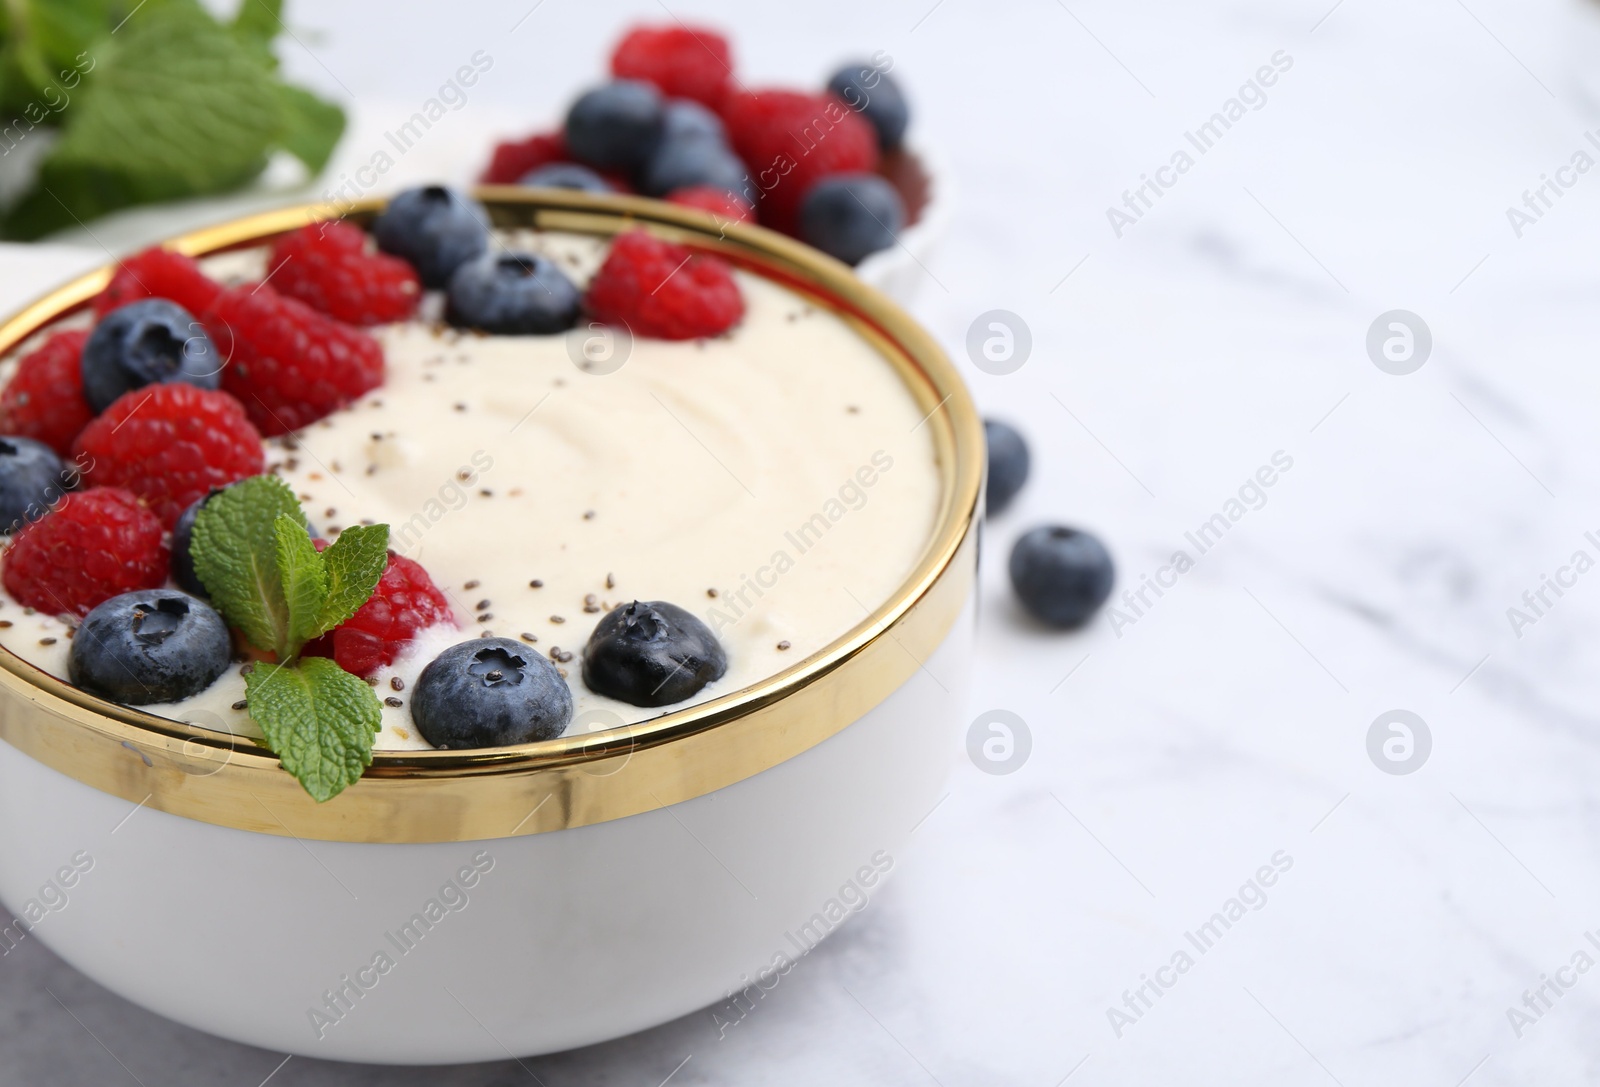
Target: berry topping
[327,266]
[158,273]
[515,159]
[722,204]
[1061,575]
[170,445]
[791,141]
[664,290]
[566,175]
[872,93]
[144,343]
[490,692]
[615,126]
[651,654]
[1008,464]
[511,294]
[695,160]
[95,544]
[684,119]
[182,535]
[152,646]
[286,363]
[434,228]
[851,216]
[44,399]
[32,480]
[682,61]
[404,602]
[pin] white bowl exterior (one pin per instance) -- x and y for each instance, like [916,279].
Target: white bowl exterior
[571,937]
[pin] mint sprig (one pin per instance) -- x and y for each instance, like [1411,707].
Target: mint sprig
[252,552]
[170,104]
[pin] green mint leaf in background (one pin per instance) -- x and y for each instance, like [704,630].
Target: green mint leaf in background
[318,719]
[255,25]
[311,127]
[354,563]
[235,549]
[40,46]
[175,107]
[172,105]
[305,583]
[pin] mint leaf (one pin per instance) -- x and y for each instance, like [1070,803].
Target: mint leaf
[305,583]
[318,719]
[311,127]
[175,107]
[235,549]
[354,563]
[255,25]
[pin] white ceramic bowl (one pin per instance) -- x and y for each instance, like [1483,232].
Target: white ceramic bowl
[459,906]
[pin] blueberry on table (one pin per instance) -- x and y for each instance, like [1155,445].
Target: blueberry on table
[490,692]
[615,126]
[148,342]
[32,480]
[1008,463]
[877,97]
[850,216]
[434,228]
[651,654]
[512,294]
[565,175]
[158,645]
[1061,575]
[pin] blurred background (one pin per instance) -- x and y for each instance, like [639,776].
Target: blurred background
[1339,683]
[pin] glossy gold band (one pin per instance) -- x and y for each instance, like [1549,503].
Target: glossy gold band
[435,796]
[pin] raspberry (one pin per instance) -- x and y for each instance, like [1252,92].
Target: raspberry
[327,266]
[719,202]
[158,273]
[791,140]
[44,399]
[288,364]
[664,290]
[169,445]
[96,544]
[682,61]
[404,603]
[515,159]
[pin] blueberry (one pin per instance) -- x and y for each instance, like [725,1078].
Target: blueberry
[32,480]
[875,96]
[566,175]
[1061,575]
[851,215]
[434,228]
[651,654]
[1008,463]
[686,117]
[154,646]
[615,126]
[147,342]
[696,160]
[512,294]
[182,534]
[490,692]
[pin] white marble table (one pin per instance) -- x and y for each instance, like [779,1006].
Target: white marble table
[1227,724]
